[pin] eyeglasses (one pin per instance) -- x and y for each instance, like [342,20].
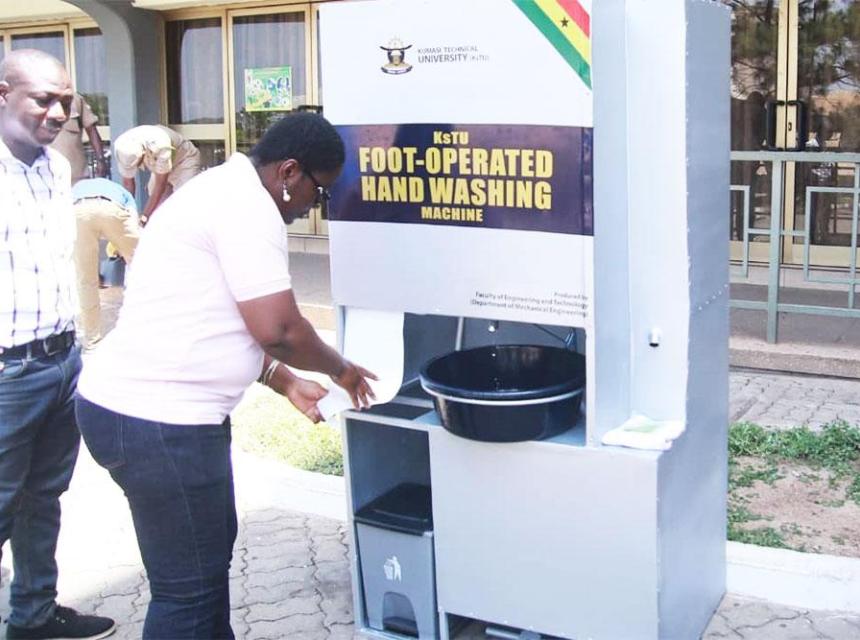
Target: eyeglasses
[323,194]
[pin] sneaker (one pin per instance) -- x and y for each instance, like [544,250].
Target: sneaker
[65,624]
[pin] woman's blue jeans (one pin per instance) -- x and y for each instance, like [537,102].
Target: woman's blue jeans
[179,483]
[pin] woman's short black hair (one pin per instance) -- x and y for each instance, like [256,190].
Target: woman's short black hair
[303,136]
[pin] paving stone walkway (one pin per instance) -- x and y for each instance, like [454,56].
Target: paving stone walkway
[784,401]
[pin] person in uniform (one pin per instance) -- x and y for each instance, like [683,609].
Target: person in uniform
[171,160]
[70,141]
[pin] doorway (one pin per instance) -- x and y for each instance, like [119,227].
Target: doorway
[231,72]
[796,88]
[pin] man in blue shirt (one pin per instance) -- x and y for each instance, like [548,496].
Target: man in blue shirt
[103,209]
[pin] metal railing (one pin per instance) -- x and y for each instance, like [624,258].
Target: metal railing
[776,233]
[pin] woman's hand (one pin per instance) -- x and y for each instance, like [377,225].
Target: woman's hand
[354,380]
[302,394]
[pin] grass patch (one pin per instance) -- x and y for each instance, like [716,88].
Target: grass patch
[763,537]
[836,447]
[748,476]
[267,424]
[738,514]
[755,454]
[853,491]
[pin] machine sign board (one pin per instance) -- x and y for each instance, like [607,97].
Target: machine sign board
[467,185]
[533,178]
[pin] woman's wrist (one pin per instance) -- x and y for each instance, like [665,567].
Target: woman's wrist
[342,367]
[270,372]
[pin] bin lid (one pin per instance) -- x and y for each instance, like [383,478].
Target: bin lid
[406,508]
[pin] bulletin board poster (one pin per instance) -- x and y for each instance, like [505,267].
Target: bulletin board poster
[269,89]
[467,185]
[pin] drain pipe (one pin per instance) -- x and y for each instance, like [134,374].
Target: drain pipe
[569,340]
[461,329]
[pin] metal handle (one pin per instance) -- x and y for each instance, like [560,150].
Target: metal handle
[503,403]
[771,108]
[802,120]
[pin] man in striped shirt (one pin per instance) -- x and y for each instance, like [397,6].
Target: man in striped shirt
[39,360]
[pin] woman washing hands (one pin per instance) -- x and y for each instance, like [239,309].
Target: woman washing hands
[303,394]
[208,309]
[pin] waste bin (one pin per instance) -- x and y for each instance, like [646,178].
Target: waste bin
[395,539]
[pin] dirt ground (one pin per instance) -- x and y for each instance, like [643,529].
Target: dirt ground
[808,508]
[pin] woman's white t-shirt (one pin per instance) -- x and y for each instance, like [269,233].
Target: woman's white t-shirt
[180,352]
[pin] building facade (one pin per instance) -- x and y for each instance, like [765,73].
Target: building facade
[190,64]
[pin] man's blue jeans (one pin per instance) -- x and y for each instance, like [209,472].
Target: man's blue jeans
[38,448]
[179,483]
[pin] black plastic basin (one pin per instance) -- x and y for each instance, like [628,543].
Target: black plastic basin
[506,393]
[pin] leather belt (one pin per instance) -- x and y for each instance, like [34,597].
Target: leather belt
[40,348]
[82,199]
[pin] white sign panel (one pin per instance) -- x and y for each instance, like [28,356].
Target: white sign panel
[467,188]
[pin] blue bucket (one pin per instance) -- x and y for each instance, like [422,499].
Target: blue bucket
[112,272]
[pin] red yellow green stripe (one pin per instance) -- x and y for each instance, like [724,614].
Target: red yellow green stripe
[580,16]
[567,27]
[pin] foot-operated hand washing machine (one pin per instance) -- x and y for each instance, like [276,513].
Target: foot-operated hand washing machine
[534,206]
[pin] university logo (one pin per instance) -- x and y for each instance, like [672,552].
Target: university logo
[396,57]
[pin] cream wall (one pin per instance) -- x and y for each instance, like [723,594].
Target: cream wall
[160,5]
[39,10]
[36,10]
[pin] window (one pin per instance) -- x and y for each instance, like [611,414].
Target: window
[91,71]
[261,42]
[53,42]
[195,88]
[195,84]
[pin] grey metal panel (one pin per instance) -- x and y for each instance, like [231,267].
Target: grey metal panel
[425,337]
[611,270]
[708,75]
[354,569]
[692,488]
[477,333]
[659,267]
[381,457]
[413,580]
[692,477]
[561,540]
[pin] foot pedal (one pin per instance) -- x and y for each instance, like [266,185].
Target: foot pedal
[401,625]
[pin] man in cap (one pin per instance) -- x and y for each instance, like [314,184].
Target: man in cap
[39,360]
